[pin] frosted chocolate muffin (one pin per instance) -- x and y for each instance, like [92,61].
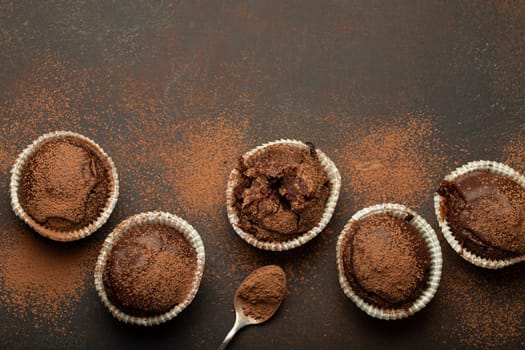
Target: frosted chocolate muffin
[483,211]
[280,192]
[149,268]
[64,186]
[389,261]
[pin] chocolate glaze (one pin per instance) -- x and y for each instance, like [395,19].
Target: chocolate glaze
[486,213]
[386,261]
[64,185]
[149,270]
[282,194]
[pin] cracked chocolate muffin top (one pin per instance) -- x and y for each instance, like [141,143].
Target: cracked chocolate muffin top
[486,213]
[281,194]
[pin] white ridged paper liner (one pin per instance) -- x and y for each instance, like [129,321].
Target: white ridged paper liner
[162,218]
[493,167]
[64,236]
[335,186]
[434,250]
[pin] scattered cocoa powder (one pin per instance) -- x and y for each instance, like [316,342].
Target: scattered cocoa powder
[196,168]
[149,270]
[398,161]
[513,152]
[57,94]
[43,281]
[163,163]
[262,292]
[487,305]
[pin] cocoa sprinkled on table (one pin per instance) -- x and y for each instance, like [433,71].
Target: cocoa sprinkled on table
[513,152]
[399,161]
[488,314]
[43,280]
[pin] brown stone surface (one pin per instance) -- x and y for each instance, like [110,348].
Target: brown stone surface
[396,93]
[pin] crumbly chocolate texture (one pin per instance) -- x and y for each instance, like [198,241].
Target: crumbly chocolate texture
[282,194]
[486,213]
[65,185]
[150,270]
[262,292]
[386,261]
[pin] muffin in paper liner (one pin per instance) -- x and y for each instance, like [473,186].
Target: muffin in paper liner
[434,250]
[439,202]
[335,186]
[64,236]
[163,218]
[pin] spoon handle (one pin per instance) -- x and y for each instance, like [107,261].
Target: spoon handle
[239,323]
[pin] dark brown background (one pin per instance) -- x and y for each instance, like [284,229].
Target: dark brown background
[313,70]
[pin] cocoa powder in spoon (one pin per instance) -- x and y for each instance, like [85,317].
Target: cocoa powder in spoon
[262,292]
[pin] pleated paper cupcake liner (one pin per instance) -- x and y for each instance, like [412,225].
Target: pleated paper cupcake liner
[162,218]
[439,202]
[434,249]
[65,236]
[335,186]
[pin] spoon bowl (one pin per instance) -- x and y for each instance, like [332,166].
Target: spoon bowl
[241,318]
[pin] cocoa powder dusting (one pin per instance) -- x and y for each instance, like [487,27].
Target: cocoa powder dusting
[64,185]
[487,306]
[140,117]
[262,292]
[513,152]
[197,167]
[386,261]
[150,270]
[43,281]
[398,161]
[163,163]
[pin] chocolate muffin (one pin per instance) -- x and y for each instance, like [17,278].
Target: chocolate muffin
[386,261]
[282,194]
[150,270]
[486,213]
[64,186]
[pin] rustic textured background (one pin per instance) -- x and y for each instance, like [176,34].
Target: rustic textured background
[396,93]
